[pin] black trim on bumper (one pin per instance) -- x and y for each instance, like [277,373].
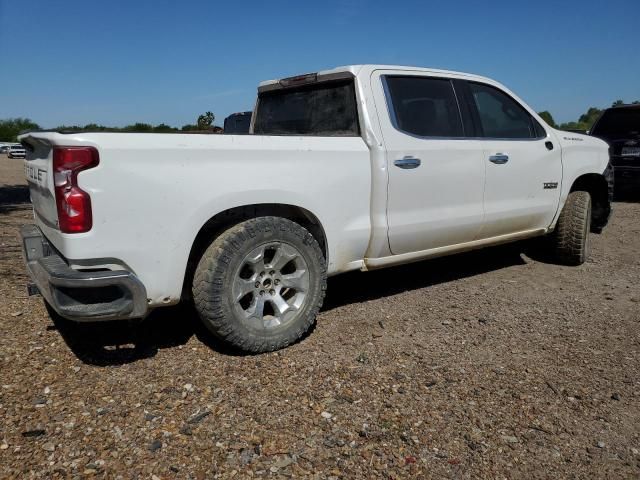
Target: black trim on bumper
[81,295]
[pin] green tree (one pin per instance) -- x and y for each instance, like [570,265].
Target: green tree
[11,128]
[572,126]
[94,127]
[590,117]
[547,117]
[68,128]
[206,120]
[138,127]
[585,122]
[89,127]
[164,128]
[618,103]
[189,127]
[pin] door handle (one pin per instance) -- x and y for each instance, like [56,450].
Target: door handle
[499,158]
[407,162]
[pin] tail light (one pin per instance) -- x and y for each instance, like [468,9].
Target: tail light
[73,203]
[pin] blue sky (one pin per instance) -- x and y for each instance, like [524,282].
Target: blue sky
[116,62]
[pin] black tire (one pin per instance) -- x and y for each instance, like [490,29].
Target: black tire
[224,263]
[571,237]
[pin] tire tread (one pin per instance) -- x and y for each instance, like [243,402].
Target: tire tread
[572,228]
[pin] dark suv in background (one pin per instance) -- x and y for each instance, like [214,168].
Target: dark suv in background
[620,128]
[238,123]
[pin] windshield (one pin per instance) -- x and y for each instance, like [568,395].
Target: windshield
[618,122]
[323,109]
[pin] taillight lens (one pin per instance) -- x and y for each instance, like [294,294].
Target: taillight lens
[73,203]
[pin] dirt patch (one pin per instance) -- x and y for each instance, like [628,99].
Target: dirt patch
[489,364]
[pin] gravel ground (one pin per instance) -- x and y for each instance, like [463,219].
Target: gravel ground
[492,364]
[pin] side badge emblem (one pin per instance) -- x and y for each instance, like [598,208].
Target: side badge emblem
[550,185]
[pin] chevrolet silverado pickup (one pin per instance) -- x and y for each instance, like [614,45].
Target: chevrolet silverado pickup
[354,168]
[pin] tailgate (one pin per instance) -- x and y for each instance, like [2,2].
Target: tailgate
[38,171]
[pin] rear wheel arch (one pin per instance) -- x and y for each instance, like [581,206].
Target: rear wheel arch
[222,221]
[260,284]
[598,188]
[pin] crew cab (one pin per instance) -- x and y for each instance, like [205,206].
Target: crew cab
[354,168]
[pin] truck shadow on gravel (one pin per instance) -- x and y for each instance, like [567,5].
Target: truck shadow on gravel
[355,287]
[125,341]
[122,342]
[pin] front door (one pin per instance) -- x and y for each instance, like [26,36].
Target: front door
[523,165]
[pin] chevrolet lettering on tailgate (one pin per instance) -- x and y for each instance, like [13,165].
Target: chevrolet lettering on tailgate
[36,175]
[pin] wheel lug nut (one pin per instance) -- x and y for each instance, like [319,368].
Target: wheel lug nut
[257,284]
[272,272]
[261,292]
[272,292]
[276,281]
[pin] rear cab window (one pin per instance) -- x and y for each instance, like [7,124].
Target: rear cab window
[326,108]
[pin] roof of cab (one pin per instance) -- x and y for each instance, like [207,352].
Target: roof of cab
[356,70]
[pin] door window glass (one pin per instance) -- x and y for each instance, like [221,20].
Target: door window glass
[424,106]
[500,115]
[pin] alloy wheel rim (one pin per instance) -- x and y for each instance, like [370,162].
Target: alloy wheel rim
[270,286]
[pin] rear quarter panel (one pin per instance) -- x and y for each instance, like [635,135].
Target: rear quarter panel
[151,194]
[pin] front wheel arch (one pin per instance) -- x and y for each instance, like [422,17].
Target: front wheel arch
[570,239]
[598,188]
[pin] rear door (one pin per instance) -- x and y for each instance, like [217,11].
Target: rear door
[523,163]
[436,174]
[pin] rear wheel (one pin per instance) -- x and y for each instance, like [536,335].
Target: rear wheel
[571,240]
[260,285]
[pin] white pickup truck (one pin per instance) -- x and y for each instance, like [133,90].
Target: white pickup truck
[359,167]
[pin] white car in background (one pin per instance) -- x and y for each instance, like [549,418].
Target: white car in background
[16,151]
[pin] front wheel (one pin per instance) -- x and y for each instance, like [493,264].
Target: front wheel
[260,285]
[571,237]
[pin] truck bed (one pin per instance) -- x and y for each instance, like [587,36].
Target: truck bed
[152,193]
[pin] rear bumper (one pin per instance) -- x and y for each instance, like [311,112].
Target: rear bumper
[81,295]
